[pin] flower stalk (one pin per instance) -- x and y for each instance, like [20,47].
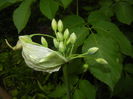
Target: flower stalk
[66,80]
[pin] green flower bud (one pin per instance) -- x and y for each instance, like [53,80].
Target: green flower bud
[66,34]
[60,26]
[56,43]
[93,50]
[61,47]
[68,41]
[59,36]
[44,42]
[54,25]
[73,38]
[85,66]
[101,61]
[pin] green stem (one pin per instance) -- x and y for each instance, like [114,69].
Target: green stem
[41,35]
[66,79]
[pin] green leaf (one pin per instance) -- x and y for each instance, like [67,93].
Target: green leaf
[109,29]
[6,3]
[48,8]
[78,94]
[124,12]
[58,92]
[88,89]
[66,3]
[21,15]
[96,16]
[108,49]
[72,21]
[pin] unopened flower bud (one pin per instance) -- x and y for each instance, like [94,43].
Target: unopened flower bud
[44,42]
[68,41]
[60,26]
[101,61]
[61,47]
[56,43]
[85,66]
[54,25]
[66,34]
[93,50]
[59,36]
[73,38]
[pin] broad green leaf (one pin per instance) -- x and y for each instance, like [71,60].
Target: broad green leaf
[96,16]
[66,3]
[78,94]
[106,8]
[109,29]
[124,12]
[48,8]
[88,89]
[72,21]
[21,15]
[6,3]
[108,49]
[104,13]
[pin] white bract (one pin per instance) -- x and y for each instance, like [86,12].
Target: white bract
[41,58]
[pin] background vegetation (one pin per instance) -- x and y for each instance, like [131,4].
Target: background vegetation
[106,24]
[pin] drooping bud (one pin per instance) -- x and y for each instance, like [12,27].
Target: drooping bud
[93,50]
[56,43]
[60,26]
[54,25]
[44,42]
[66,34]
[59,36]
[73,38]
[101,61]
[61,47]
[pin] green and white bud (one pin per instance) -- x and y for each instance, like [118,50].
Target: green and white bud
[85,66]
[44,42]
[73,38]
[56,43]
[60,26]
[101,61]
[54,25]
[93,50]
[59,36]
[61,47]
[66,34]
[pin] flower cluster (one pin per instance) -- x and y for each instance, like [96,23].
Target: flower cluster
[64,41]
[39,57]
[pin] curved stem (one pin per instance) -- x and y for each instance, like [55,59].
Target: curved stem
[41,35]
[66,79]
